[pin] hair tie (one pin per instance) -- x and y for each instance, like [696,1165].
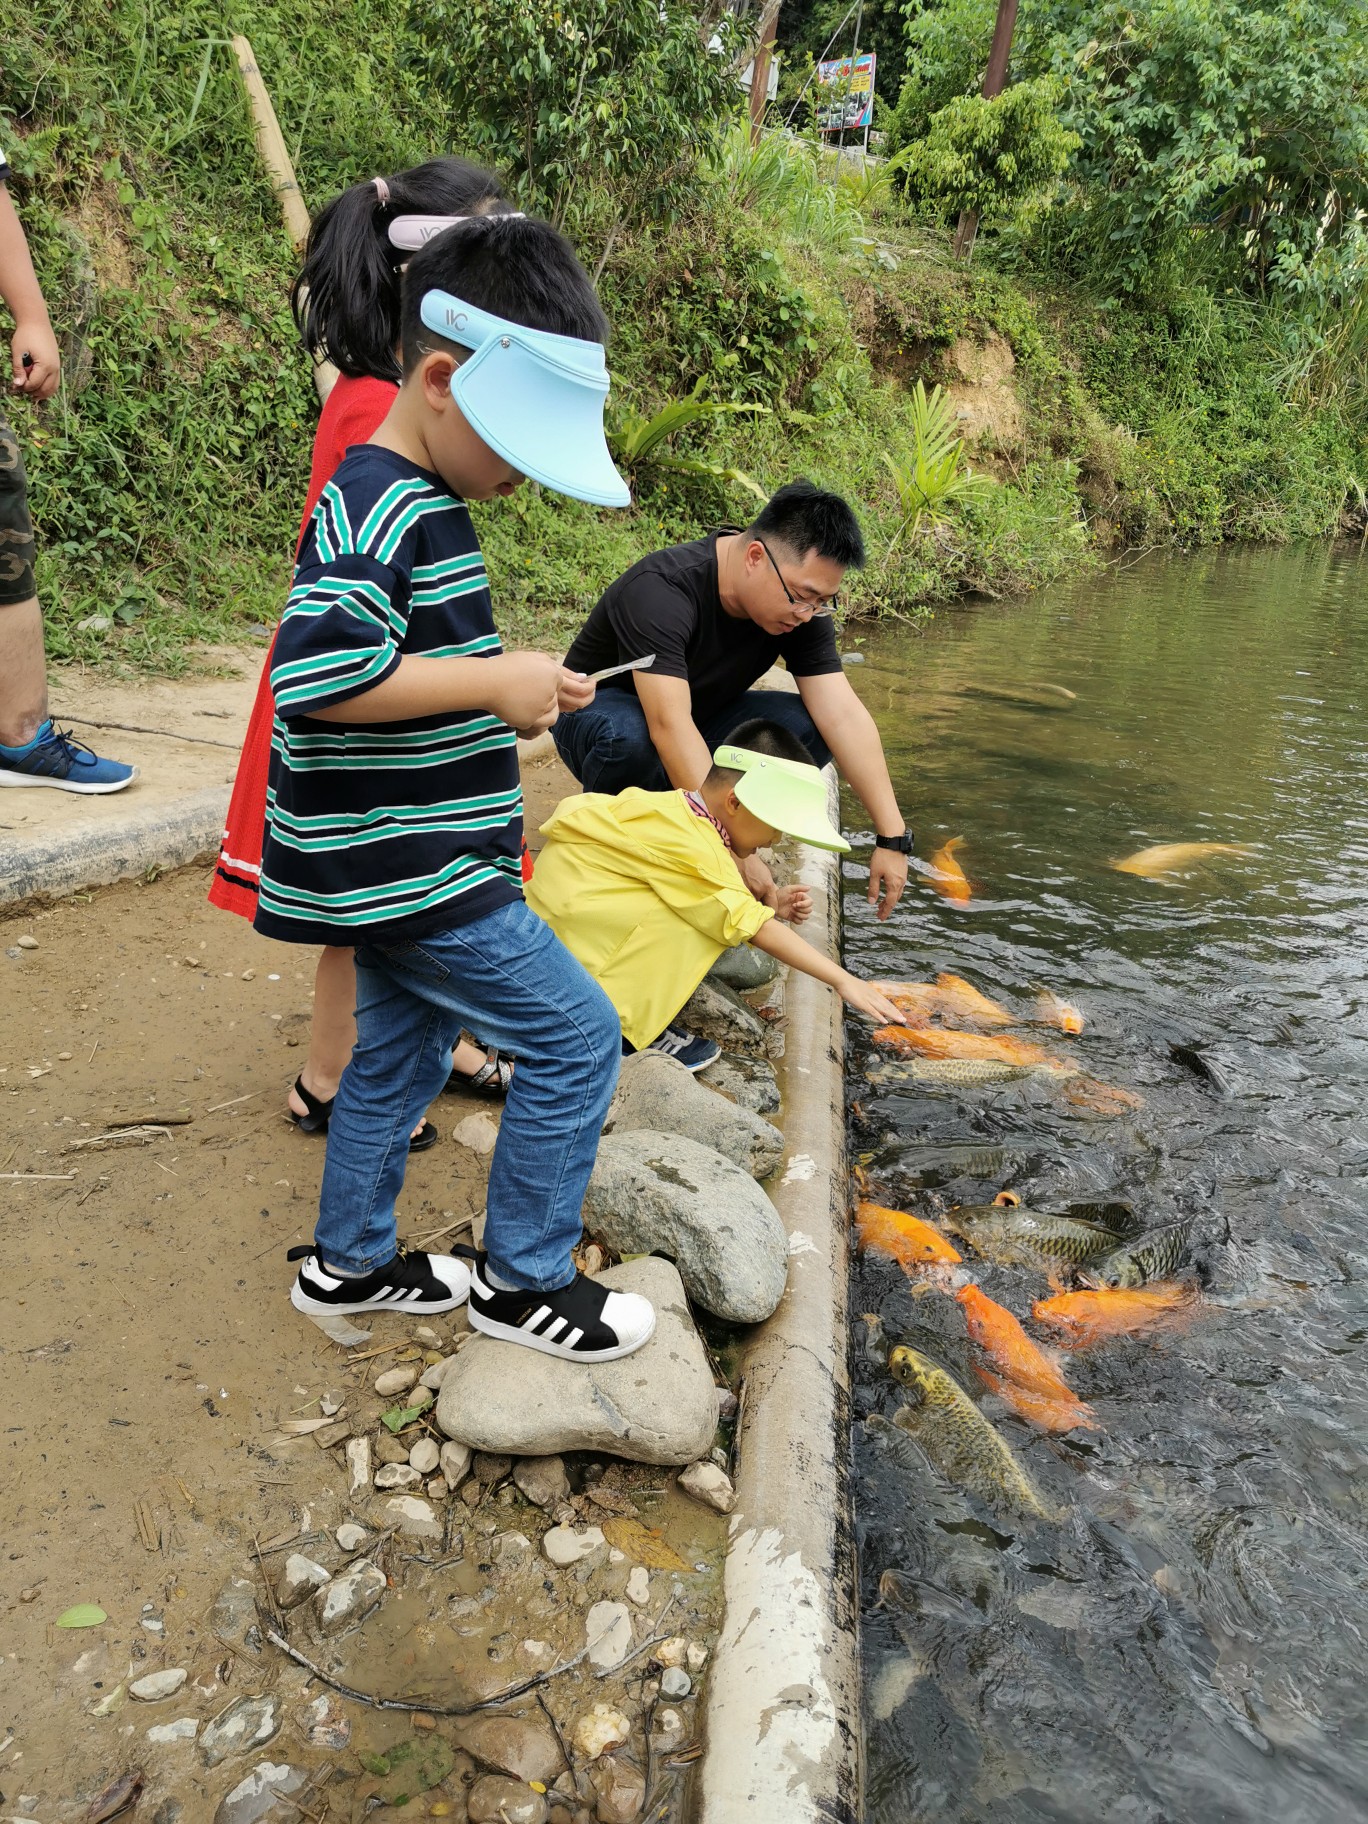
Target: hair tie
[382,191]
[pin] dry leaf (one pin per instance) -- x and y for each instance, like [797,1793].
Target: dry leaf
[642,1545]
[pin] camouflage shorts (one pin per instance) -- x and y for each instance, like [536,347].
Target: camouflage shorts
[16,528]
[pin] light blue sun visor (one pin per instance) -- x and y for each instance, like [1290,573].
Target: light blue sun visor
[535,398]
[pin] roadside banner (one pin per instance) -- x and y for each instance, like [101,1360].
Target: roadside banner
[845,94]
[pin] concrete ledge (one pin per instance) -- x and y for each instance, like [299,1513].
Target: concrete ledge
[783,1733]
[123,844]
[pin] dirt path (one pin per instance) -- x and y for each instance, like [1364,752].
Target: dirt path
[151,1357]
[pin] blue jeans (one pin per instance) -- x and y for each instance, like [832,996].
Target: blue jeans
[608,745]
[510,979]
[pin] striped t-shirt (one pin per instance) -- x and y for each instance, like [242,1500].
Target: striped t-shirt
[392,828]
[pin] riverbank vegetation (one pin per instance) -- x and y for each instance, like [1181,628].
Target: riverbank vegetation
[1161,335]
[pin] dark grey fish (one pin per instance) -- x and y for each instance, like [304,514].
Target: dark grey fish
[1192,1059]
[1154,1256]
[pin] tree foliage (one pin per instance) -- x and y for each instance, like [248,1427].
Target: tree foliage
[617,97]
[995,157]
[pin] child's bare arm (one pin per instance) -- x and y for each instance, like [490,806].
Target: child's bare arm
[32,331]
[520,688]
[865,997]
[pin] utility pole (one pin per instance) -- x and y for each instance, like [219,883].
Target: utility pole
[760,68]
[994,82]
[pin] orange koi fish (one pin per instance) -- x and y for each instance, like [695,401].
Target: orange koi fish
[920,1001]
[904,1238]
[947,876]
[961,1000]
[1092,1317]
[1025,1368]
[1038,1408]
[1173,857]
[1102,1098]
[1052,1011]
[945,1042]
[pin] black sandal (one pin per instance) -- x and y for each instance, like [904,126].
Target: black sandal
[493,1078]
[320,1113]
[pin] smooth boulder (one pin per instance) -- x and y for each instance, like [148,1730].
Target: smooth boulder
[657,1093]
[744,968]
[655,1406]
[749,1081]
[657,1193]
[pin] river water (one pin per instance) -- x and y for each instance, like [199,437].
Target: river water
[1185,1643]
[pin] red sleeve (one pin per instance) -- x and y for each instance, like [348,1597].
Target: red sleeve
[352,412]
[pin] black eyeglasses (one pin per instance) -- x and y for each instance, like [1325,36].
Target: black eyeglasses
[826,604]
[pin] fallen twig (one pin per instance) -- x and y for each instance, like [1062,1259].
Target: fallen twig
[233,1104]
[122,1136]
[550,1716]
[416,1704]
[29,1177]
[462,1222]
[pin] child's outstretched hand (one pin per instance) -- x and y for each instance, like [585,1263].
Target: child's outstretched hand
[869,999]
[525,691]
[795,904]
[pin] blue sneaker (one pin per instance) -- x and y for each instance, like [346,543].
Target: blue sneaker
[53,758]
[693,1053]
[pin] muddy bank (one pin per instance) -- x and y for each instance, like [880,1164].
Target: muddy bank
[154,1452]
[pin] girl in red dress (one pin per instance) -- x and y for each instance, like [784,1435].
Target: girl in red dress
[346,303]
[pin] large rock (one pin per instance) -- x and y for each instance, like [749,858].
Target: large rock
[715,1012]
[658,1193]
[520,1746]
[657,1092]
[656,1406]
[749,1081]
[744,968]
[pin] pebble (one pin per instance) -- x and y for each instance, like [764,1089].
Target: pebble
[727,1403]
[327,1436]
[63,1057]
[359,1464]
[299,1579]
[387,1448]
[397,1475]
[697,1656]
[425,1456]
[542,1480]
[184,1729]
[433,1377]
[26,942]
[455,1462]
[331,1402]
[249,975]
[325,1725]
[477,1133]
[600,1729]
[435,1489]
[350,1536]
[621,1791]
[565,1545]
[669,1729]
[710,1485]
[495,1799]
[157,1685]
[246,1723]
[255,1795]
[675,1682]
[425,1333]
[490,1466]
[510,1549]
[350,1596]
[609,1630]
[395,1380]
[522,1747]
[234,1616]
[413,1517]
[639,1585]
[671,1652]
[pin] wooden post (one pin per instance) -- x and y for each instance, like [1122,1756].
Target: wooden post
[271,150]
[994,82]
[760,69]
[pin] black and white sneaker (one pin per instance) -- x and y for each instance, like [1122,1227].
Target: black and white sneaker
[409,1282]
[685,1049]
[583,1322]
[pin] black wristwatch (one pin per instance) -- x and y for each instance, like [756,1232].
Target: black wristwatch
[902,844]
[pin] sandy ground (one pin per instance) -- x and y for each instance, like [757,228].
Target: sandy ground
[150,1355]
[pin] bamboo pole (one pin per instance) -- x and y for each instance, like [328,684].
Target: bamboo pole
[276,159]
[994,82]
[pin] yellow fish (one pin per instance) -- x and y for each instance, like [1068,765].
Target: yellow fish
[1175,857]
[947,876]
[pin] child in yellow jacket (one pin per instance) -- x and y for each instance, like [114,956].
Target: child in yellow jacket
[643,888]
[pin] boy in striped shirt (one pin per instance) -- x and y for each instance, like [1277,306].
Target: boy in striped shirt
[394,815]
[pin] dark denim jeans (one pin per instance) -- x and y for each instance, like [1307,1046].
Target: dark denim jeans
[608,745]
[510,979]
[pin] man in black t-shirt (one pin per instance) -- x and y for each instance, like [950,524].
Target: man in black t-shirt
[717,613]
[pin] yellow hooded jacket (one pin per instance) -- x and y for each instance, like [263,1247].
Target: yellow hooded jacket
[646,895]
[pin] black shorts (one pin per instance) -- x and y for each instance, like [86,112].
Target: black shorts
[16,528]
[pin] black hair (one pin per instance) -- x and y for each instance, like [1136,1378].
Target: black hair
[803,517]
[762,737]
[519,268]
[346,296]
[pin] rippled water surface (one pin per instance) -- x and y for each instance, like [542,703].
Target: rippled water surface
[1186,1643]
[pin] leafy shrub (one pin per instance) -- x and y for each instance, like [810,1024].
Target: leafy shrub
[996,157]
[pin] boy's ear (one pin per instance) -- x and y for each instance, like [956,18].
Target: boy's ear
[733,802]
[434,377]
